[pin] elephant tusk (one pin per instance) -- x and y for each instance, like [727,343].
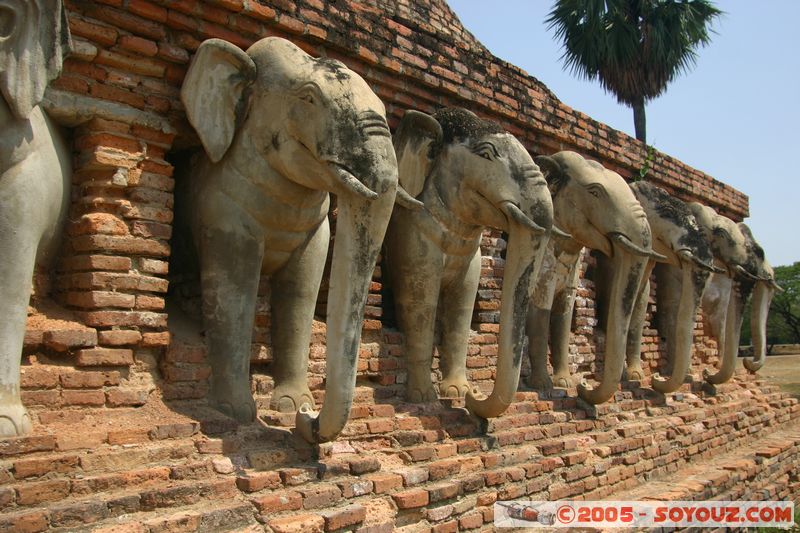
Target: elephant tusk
[775,286]
[687,255]
[658,257]
[406,200]
[561,234]
[707,266]
[739,269]
[634,249]
[514,213]
[351,183]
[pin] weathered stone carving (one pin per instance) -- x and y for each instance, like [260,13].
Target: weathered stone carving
[746,272]
[469,174]
[680,283]
[599,209]
[282,129]
[765,288]
[35,170]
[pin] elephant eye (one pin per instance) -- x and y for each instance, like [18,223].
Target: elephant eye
[8,19]
[308,93]
[721,232]
[485,150]
[596,190]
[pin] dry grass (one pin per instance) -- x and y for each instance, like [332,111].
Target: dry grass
[785,371]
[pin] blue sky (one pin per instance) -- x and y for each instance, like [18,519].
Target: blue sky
[736,116]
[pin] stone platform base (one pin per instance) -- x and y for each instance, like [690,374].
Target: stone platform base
[183,467]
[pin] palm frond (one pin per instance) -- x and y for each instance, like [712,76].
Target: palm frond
[635,48]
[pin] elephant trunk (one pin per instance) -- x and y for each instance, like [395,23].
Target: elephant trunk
[729,344]
[762,298]
[628,270]
[361,224]
[523,262]
[678,323]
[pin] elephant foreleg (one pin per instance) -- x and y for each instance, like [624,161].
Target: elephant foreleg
[18,252]
[537,329]
[230,266]
[293,299]
[457,303]
[633,349]
[560,329]
[416,296]
[417,322]
[561,322]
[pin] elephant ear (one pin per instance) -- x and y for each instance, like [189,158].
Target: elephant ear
[215,93]
[416,143]
[34,39]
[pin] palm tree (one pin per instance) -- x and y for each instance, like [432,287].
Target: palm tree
[634,47]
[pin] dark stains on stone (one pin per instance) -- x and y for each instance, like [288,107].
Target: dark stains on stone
[460,125]
[699,279]
[755,253]
[632,288]
[555,174]
[521,301]
[721,233]
[678,213]
[334,67]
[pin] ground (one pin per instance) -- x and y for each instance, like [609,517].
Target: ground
[785,371]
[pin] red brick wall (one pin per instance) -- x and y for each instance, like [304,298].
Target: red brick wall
[105,342]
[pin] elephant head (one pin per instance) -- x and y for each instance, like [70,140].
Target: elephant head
[282,129]
[597,207]
[460,174]
[34,39]
[681,280]
[764,290]
[726,293]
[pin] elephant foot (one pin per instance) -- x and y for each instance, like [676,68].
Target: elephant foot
[415,395]
[562,380]
[634,372]
[239,406]
[539,381]
[14,420]
[454,387]
[420,388]
[289,397]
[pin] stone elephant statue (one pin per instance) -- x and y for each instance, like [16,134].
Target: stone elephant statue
[746,273]
[765,288]
[281,130]
[597,207]
[680,280]
[35,173]
[466,174]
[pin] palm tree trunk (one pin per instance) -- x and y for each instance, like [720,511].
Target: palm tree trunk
[639,121]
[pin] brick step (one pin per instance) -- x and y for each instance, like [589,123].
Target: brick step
[727,475]
[405,425]
[105,460]
[522,423]
[210,517]
[413,462]
[73,512]
[517,472]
